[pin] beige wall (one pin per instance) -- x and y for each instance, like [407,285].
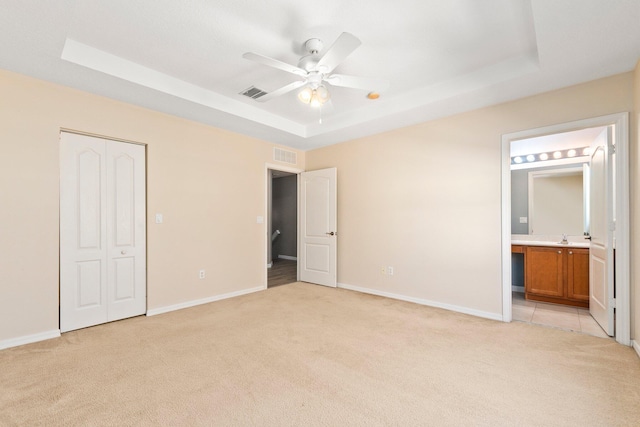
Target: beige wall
[208,183]
[426,199]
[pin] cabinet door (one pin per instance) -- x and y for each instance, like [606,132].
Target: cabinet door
[544,271]
[578,274]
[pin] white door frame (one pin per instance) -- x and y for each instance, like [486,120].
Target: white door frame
[620,123]
[267,218]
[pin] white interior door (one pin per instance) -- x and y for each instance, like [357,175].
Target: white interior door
[126,240]
[601,278]
[318,221]
[102,231]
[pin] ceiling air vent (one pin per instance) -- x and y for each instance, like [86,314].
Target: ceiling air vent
[280,155]
[253,92]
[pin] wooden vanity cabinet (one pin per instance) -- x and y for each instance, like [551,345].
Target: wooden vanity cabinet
[558,275]
[544,271]
[578,274]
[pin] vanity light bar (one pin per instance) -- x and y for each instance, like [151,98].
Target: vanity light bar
[550,155]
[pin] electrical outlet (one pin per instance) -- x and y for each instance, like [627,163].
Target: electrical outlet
[390,271]
[201,274]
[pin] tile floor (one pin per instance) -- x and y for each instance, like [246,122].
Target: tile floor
[554,315]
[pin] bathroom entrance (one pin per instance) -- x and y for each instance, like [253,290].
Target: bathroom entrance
[552,275]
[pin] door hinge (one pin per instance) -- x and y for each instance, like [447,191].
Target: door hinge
[612,303]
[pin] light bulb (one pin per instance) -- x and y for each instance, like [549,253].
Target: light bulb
[323,94]
[531,158]
[557,155]
[571,153]
[543,156]
[314,101]
[305,95]
[517,159]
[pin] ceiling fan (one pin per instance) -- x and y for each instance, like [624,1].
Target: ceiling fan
[315,70]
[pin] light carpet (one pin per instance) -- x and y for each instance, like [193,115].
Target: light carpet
[305,355]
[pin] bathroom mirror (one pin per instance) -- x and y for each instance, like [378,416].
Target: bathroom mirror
[557,201]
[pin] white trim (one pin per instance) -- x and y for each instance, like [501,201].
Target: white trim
[456,308]
[290,258]
[28,339]
[515,288]
[187,304]
[269,265]
[620,121]
[622,232]
[283,168]
[636,346]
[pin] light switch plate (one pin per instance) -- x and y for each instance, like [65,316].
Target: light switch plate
[260,219]
[159,218]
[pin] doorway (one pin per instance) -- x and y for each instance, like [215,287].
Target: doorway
[282,227]
[620,204]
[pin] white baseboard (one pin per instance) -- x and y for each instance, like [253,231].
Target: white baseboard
[187,304]
[465,310]
[636,346]
[291,258]
[28,339]
[270,265]
[515,288]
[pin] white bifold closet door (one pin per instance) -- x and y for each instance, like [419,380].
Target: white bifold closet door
[102,231]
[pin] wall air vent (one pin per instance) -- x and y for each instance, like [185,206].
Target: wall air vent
[280,155]
[253,92]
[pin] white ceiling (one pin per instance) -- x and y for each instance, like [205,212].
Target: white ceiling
[440,57]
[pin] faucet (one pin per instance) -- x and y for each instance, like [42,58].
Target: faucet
[564,240]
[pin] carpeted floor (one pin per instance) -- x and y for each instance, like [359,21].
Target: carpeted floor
[305,355]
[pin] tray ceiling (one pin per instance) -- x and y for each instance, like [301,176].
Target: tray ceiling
[440,58]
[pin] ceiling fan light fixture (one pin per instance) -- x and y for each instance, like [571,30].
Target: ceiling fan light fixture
[314,97]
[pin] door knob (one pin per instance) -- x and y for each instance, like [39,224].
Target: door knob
[331,233]
[123,252]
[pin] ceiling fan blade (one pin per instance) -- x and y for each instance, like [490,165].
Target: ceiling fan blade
[281,91]
[265,60]
[354,82]
[339,50]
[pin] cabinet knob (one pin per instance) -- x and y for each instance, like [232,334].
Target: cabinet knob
[570,252]
[559,252]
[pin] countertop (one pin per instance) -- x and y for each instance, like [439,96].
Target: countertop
[525,240]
